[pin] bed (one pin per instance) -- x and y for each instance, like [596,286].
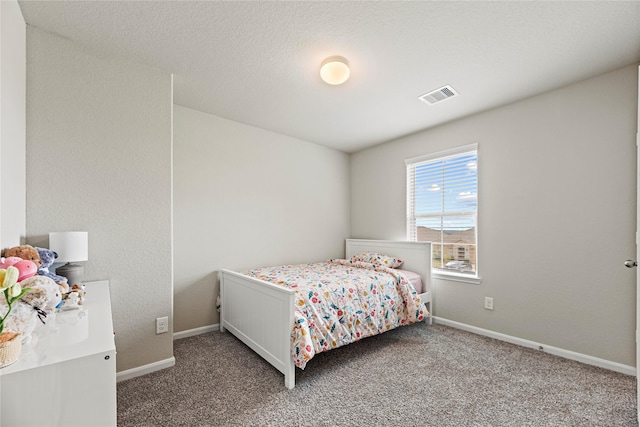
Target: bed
[262,314]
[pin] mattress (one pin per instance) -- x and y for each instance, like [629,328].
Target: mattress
[414,278]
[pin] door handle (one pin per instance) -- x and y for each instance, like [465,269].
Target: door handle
[630,263]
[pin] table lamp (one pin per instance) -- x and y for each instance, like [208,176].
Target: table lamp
[72,247]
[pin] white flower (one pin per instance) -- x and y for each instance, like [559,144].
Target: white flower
[8,277]
[15,291]
[10,289]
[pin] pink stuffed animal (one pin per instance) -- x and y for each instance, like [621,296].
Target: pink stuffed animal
[26,268]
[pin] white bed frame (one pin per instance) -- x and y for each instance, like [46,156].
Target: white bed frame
[261,314]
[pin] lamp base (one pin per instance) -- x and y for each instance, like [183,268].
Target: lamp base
[73,273]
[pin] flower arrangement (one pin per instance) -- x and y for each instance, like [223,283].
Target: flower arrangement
[11,289]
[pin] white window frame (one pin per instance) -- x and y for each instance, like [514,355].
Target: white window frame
[411,219]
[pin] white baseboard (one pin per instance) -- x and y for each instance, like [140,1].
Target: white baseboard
[196,331]
[146,369]
[567,354]
[167,363]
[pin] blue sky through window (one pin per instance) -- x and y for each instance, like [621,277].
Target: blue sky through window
[447,191]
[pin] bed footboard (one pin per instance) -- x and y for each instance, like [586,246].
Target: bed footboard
[261,315]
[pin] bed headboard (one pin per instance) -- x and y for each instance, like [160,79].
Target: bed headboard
[416,255]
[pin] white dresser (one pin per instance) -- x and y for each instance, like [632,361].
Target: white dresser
[66,375]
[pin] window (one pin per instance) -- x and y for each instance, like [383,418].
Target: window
[442,208]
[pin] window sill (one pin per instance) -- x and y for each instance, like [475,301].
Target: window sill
[474,280]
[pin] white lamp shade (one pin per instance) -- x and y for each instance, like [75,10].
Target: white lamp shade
[71,246]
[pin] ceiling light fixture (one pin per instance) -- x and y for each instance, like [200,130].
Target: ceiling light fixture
[335,70]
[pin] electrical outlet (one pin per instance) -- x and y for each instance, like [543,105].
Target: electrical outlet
[162,325]
[488,303]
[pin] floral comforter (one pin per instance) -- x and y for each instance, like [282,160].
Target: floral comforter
[341,301]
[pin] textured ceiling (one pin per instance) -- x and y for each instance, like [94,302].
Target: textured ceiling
[257,62]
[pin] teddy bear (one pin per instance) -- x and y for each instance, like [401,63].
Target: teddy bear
[47,258]
[28,312]
[54,295]
[27,252]
[33,308]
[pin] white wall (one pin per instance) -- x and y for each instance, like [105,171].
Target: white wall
[557,194]
[12,125]
[557,200]
[99,159]
[245,197]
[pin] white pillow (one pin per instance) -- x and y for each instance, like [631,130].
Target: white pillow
[376,258]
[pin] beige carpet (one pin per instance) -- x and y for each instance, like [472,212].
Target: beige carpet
[417,375]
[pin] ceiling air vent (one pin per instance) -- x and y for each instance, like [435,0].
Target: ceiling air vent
[438,95]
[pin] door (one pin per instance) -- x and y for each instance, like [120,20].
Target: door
[631,263]
[638,252]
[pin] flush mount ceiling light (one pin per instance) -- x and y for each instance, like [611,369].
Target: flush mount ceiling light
[335,70]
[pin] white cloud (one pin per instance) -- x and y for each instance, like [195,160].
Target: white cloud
[467,195]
